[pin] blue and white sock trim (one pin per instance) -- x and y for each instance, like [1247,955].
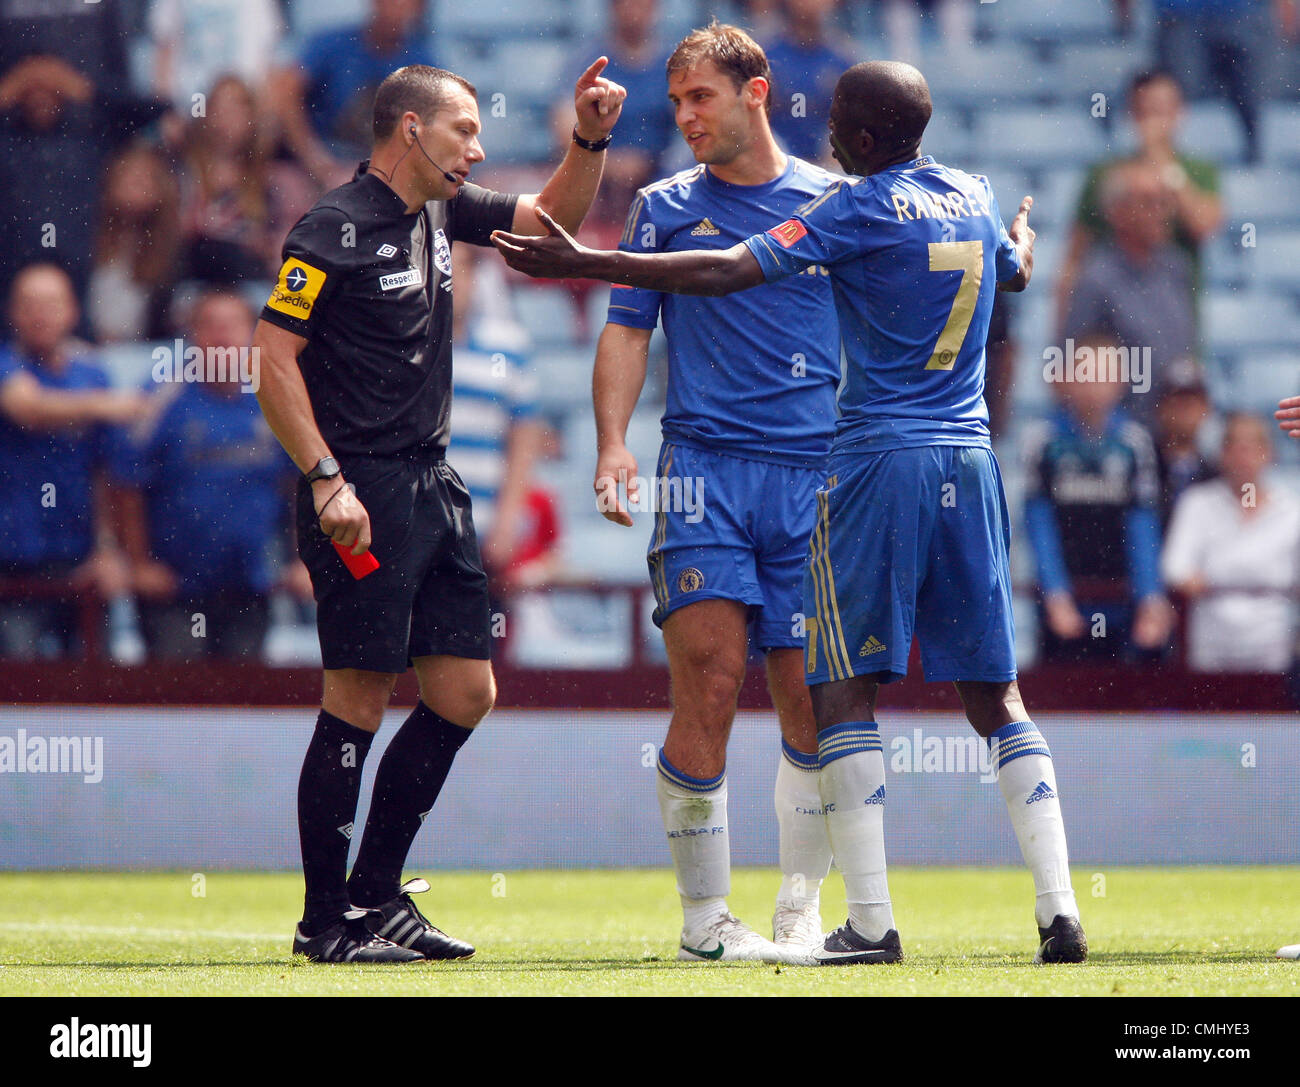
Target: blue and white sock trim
[849,738]
[1016,740]
[799,760]
[684,781]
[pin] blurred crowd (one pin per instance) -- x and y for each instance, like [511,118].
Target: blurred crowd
[147,205]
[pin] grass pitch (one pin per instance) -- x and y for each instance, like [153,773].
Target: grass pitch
[1153,931]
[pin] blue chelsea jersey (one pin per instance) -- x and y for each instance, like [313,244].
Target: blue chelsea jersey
[752,374]
[915,253]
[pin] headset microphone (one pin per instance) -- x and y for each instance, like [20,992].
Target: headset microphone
[445,173]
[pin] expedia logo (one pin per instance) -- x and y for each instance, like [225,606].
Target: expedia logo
[690,580]
[297,289]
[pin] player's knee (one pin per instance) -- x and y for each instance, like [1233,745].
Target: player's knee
[714,681]
[470,703]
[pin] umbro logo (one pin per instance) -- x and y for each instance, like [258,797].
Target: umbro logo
[346,831]
[878,797]
[386,250]
[424,815]
[871,645]
[705,230]
[1041,792]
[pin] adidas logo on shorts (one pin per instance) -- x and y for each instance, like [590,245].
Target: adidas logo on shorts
[872,645]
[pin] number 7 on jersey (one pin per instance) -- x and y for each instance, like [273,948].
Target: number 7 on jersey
[967,258]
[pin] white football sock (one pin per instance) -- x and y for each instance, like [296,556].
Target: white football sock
[1028,783]
[805,843]
[853,794]
[694,812]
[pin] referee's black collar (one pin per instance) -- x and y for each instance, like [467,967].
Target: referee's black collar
[384,191]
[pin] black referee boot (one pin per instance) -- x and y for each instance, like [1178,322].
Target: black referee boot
[350,940]
[400,920]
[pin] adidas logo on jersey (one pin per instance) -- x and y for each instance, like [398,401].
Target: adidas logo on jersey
[1041,792]
[705,230]
[878,797]
[871,645]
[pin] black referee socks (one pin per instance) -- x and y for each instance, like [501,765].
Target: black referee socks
[407,785]
[328,788]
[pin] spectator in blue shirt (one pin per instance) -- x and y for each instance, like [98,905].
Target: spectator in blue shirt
[1092,512]
[806,64]
[637,56]
[325,103]
[55,403]
[202,503]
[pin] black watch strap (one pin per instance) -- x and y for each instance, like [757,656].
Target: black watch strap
[592,145]
[326,468]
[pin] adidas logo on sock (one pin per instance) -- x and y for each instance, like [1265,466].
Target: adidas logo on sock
[705,230]
[878,797]
[346,831]
[1041,792]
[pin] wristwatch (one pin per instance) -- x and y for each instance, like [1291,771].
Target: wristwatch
[592,145]
[326,468]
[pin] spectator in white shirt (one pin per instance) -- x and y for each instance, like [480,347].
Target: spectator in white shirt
[1232,551]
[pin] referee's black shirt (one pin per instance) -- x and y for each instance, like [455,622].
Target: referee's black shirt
[369,287]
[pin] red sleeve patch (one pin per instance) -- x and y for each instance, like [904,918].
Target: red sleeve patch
[789,232]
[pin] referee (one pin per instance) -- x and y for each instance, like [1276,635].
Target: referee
[354,347]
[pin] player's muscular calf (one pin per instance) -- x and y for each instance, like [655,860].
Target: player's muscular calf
[707,646]
[785,682]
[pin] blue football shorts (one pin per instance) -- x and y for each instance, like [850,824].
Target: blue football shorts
[910,542]
[733,529]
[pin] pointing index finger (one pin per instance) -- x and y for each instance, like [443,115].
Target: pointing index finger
[589,76]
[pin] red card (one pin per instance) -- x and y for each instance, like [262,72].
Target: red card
[358,565]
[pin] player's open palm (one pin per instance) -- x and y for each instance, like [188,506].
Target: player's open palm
[615,468]
[342,517]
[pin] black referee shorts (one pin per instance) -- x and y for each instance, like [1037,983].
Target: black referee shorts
[429,595]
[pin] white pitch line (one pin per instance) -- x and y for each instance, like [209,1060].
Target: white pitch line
[123,930]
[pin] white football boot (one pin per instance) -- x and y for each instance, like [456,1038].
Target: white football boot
[797,929]
[729,940]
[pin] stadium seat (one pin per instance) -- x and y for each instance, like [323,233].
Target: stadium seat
[1266,195]
[1280,132]
[1047,20]
[1212,130]
[1234,321]
[1056,197]
[503,18]
[947,138]
[984,76]
[1091,68]
[1274,261]
[1223,261]
[1261,380]
[563,376]
[1040,137]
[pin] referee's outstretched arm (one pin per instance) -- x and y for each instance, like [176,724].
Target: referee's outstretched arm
[287,407]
